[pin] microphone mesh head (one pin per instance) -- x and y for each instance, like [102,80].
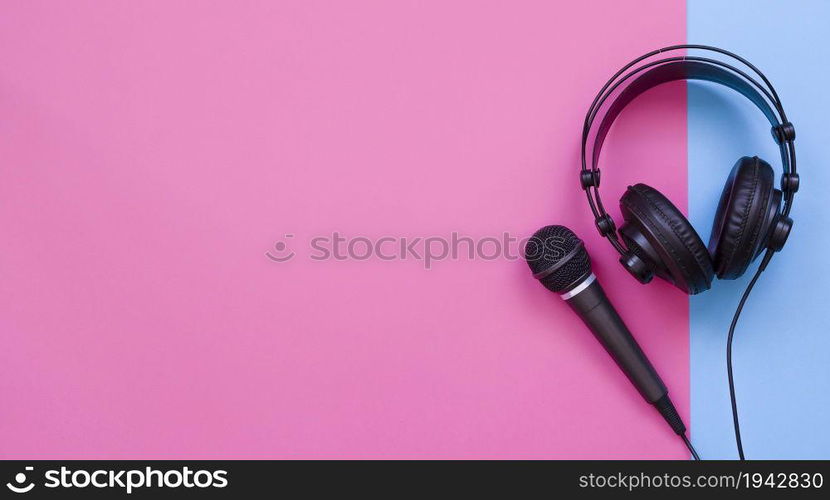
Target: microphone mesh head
[547,247]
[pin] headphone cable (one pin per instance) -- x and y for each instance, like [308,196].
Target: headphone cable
[737,315]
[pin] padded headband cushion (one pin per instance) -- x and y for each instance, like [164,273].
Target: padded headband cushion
[738,229]
[682,70]
[672,236]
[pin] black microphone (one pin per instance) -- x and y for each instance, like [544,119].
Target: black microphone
[558,259]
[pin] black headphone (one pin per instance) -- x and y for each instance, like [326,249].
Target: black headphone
[752,216]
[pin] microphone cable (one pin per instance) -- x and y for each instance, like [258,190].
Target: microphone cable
[672,417]
[691,448]
[731,378]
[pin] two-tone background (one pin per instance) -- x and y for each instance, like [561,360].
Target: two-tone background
[151,153]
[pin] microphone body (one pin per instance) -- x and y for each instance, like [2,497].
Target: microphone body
[589,302]
[558,259]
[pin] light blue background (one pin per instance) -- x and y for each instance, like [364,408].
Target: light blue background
[782,343]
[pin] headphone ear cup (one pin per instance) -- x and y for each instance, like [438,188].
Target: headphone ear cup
[746,210]
[658,233]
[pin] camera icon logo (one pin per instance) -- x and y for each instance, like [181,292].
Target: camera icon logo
[280,254]
[20,479]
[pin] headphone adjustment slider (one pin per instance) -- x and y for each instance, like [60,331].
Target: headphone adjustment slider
[783,133]
[789,182]
[605,225]
[589,178]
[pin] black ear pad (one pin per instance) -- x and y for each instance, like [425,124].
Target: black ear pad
[746,211]
[657,232]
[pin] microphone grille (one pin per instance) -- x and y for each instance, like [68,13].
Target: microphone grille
[547,247]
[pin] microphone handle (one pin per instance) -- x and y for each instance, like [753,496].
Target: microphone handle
[592,305]
[599,315]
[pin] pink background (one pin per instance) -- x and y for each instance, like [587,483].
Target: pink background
[152,152]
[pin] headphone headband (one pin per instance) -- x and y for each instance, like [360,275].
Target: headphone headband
[681,68]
